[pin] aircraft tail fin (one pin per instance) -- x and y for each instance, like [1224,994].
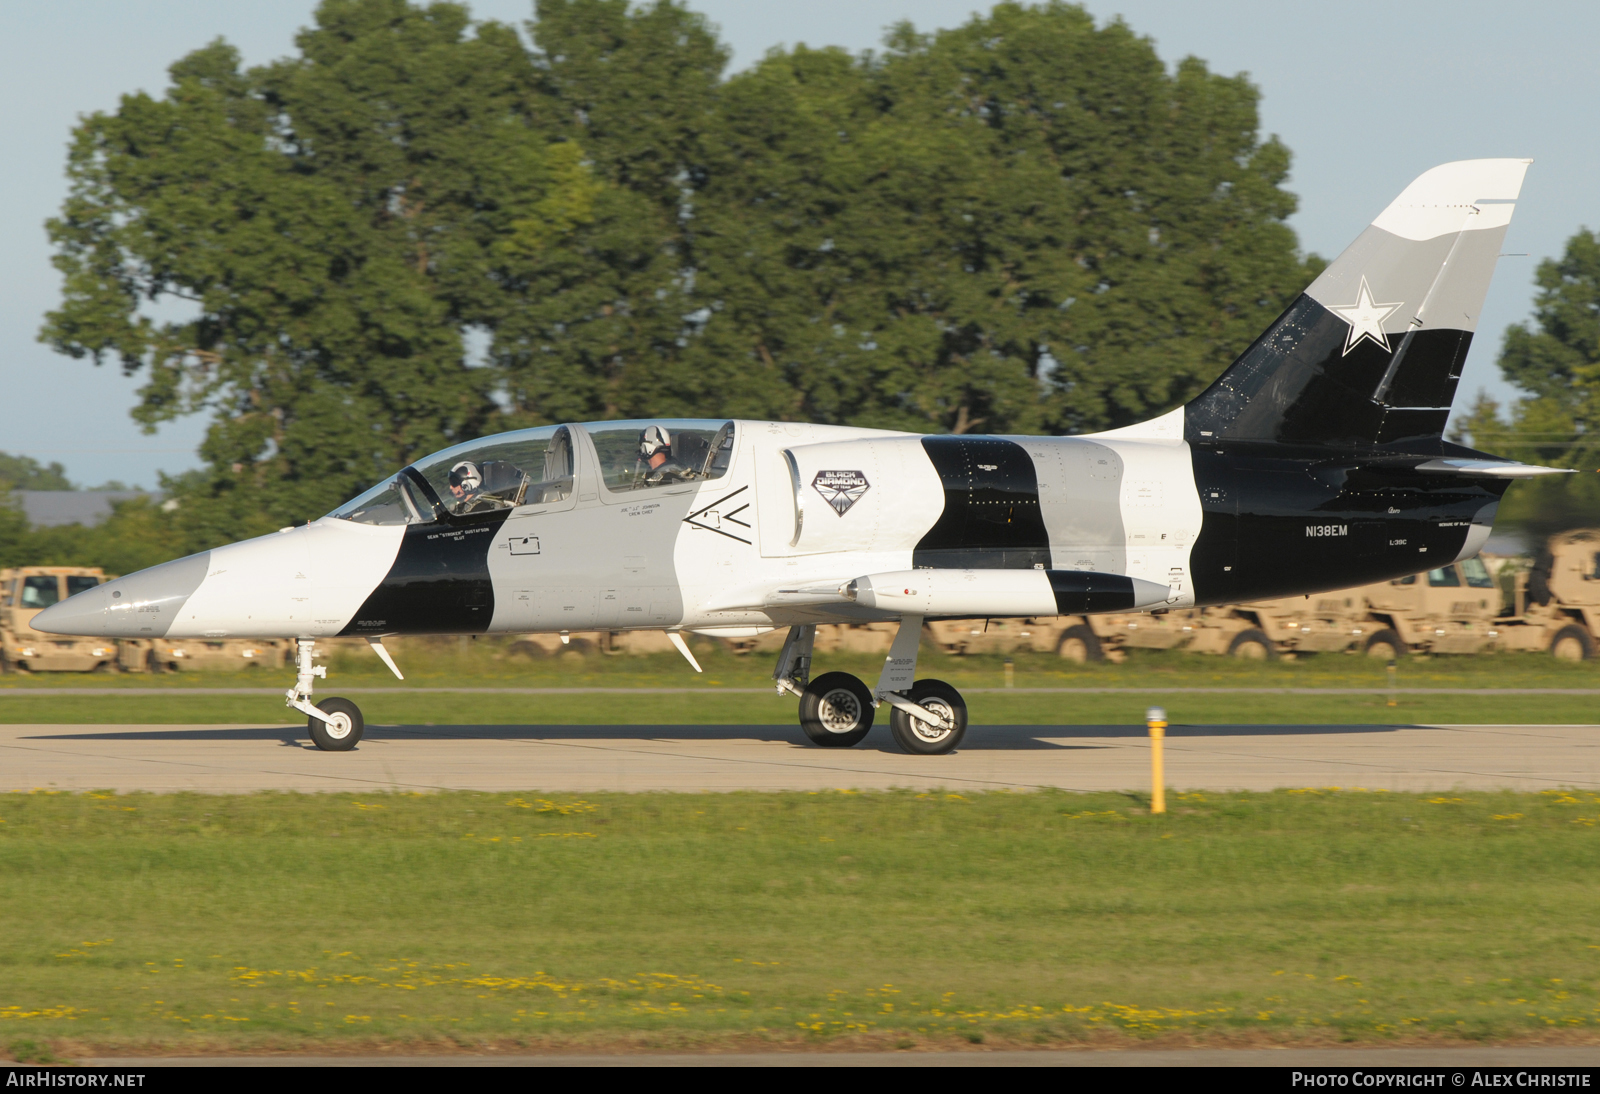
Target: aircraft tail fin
[1370,354]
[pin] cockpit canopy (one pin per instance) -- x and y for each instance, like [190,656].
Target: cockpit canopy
[532,467]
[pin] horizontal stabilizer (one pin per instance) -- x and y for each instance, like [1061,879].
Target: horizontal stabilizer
[1491,469]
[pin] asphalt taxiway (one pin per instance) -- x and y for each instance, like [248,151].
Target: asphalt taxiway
[578,758]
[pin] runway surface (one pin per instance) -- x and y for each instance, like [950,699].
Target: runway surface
[241,758]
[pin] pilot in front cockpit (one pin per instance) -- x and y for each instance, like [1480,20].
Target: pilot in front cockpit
[490,484]
[465,483]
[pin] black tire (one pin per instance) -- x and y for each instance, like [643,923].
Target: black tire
[1572,643]
[1252,645]
[1385,640]
[1079,643]
[917,737]
[343,735]
[836,710]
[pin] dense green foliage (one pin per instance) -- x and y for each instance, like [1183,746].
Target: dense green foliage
[887,919]
[1557,423]
[420,229]
[23,473]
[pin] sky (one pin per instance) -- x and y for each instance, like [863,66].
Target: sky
[1366,94]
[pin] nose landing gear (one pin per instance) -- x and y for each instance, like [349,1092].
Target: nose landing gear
[336,725]
[929,717]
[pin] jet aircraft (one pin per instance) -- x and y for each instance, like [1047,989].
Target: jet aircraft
[1316,461]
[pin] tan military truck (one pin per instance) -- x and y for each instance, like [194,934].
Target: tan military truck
[25,591]
[1453,609]
[201,654]
[1556,604]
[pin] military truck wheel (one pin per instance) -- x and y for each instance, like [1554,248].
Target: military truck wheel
[921,738]
[1079,643]
[343,728]
[1572,643]
[1385,645]
[1252,645]
[836,710]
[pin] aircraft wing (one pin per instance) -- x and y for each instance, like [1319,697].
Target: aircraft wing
[805,595]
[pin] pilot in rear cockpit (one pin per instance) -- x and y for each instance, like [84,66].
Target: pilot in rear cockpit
[662,464]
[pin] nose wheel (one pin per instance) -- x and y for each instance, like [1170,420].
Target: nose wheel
[335,724]
[341,730]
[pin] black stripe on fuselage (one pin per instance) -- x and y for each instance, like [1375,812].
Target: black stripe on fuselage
[1079,592]
[439,583]
[1281,522]
[991,518]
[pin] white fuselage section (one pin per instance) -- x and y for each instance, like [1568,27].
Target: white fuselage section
[798,513]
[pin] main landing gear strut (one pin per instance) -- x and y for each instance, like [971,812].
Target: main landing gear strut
[335,724]
[927,717]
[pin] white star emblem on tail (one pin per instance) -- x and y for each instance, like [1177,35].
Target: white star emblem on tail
[841,489]
[1365,319]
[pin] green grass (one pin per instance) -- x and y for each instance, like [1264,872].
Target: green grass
[660,919]
[449,662]
[712,709]
[47,698]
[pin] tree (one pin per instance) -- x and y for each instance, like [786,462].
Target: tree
[418,230]
[24,473]
[1557,423]
[612,321]
[1025,223]
[334,223]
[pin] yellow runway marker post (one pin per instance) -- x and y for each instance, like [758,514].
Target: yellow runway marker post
[1155,719]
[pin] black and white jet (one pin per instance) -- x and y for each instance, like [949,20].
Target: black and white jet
[1315,462]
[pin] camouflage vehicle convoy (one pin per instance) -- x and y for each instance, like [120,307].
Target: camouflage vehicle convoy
[190,654]
[1459,608]
[25,591]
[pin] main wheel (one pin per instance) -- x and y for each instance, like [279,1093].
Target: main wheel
[1079,643]
[1252,645]
[836,710]
[1572,643]
[342,729]
[1385,645]
[921,738]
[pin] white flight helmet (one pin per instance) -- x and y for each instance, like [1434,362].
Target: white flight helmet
[654,439]
[466,475]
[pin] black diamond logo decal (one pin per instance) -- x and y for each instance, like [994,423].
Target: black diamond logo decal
[841,489]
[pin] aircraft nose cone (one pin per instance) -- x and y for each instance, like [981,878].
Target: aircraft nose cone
[141,605]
